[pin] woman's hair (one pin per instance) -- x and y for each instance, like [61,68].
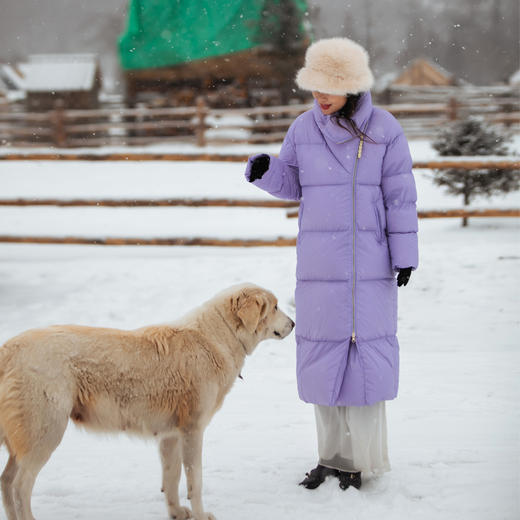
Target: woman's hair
[346,112]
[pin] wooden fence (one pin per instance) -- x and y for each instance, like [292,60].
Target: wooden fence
[201,125]
[461,163]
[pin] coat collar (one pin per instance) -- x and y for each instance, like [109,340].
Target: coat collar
[331,130]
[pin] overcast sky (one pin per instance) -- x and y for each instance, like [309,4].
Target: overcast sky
[475,39]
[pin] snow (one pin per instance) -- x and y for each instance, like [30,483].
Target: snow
[453,430]
[188,148]
[514,79]
[12,76]
[59,72]
[147,223]
[421,149]
[162,180]
[227,126]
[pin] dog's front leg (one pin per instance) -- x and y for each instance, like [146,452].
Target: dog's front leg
[171,459]
[192,459]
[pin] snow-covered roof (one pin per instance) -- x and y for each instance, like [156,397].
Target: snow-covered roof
[59,72]
[3,87]
[384,81]
[11,78]
[514,79]
[425,71]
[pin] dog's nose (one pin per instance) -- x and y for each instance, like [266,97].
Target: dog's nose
[292,324]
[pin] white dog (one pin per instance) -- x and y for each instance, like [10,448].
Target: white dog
[165,381]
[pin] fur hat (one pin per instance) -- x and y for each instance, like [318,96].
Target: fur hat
[335,66]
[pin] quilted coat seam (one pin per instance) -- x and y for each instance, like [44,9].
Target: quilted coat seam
[341,370]
[363,371]
[388,176]
[325,230]
[364,340]
[324,280]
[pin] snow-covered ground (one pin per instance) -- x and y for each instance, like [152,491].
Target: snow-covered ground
[453,430]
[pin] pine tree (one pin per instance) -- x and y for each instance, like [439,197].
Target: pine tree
[473,136]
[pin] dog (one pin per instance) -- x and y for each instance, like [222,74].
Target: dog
[162,381]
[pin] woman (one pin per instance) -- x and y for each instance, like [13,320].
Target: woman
[349,165]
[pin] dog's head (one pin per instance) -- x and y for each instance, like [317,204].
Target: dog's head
[256,315]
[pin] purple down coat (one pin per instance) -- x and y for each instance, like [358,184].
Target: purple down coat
[357,226]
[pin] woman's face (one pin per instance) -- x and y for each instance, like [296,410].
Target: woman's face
[329,103]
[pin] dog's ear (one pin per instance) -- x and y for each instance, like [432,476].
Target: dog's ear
[264,305]
[251,309]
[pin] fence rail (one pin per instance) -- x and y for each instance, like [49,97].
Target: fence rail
[131,203]
[463,163]
[178,241]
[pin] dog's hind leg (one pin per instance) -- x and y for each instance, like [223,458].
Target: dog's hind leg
[45,439]
[7,479]
[171,459]
[192,460]
[22,489]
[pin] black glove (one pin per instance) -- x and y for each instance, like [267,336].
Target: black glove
[403,276]
[259,166]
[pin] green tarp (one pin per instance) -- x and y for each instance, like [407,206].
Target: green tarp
[163,33]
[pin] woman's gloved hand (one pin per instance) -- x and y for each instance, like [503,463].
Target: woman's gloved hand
[404,276]
[258,167]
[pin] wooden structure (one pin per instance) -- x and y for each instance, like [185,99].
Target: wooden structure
[249,78]
[68,81]
[201,125]
[422,77]
[138,126]
[236,53]
[424,72]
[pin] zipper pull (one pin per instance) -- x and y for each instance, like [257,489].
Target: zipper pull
[360,148]
[353,337]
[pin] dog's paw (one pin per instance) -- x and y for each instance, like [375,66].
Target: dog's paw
[180,513]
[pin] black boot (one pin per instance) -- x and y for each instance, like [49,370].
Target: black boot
[317,476]
[346,479]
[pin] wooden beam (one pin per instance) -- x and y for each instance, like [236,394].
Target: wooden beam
[492,212]
[450,213]
[130,156]
[463,163]
[136,203]
[468,164]
[180,241]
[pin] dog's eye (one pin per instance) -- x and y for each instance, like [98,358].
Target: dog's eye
[276,307]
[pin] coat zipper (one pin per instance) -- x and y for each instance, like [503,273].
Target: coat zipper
[360,149]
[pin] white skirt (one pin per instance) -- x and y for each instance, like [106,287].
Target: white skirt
[353,438]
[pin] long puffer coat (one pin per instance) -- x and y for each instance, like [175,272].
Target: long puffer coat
[357,226]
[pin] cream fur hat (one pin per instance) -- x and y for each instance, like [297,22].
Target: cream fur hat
[335,66]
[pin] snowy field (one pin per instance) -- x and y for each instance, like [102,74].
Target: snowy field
[160,180]
[453,431]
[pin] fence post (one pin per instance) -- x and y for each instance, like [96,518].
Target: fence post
[59,134]
[200,128]
[452,109]
[508,108]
